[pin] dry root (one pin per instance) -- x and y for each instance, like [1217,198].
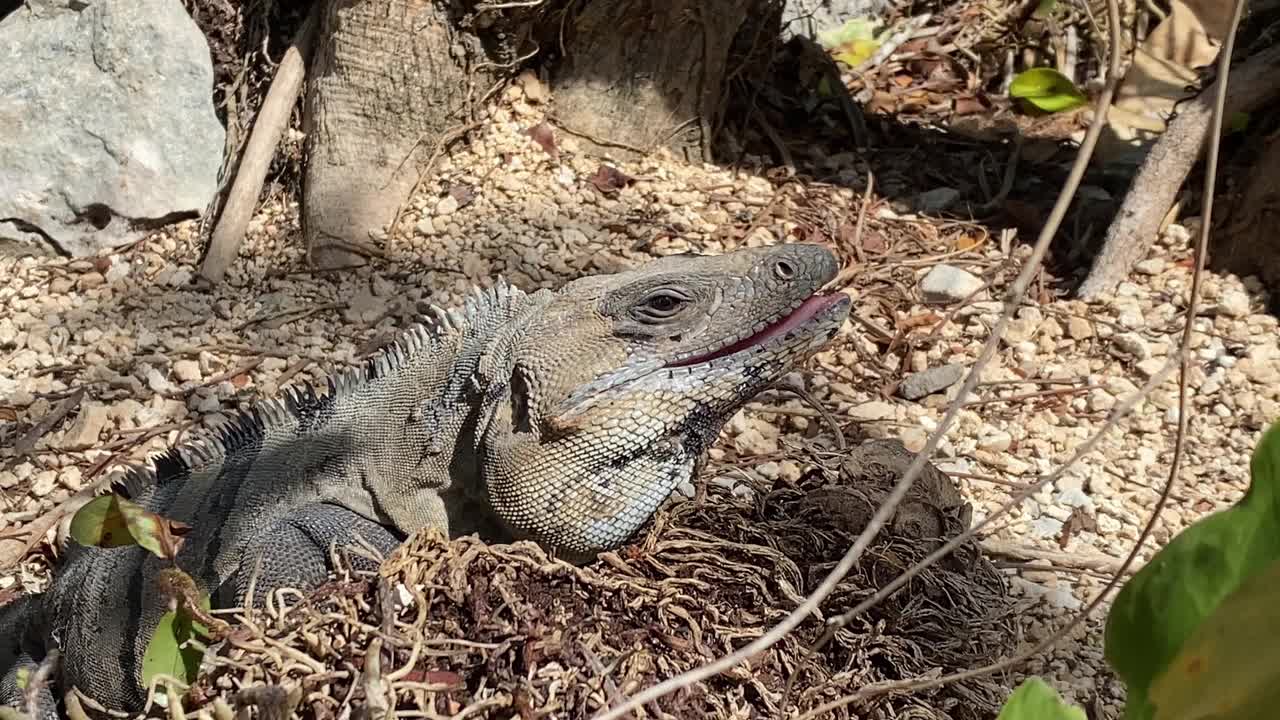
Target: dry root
[462,627]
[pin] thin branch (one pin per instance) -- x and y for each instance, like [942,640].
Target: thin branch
[1224,61]
[255,161]
[887,509]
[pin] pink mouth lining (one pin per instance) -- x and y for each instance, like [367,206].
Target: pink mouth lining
[808,310]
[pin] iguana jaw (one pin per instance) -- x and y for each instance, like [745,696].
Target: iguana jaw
[813,310]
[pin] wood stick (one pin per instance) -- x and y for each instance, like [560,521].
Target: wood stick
[1166,166]
[269,126]
[1090,560]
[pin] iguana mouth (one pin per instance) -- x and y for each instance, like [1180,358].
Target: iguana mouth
[802,315]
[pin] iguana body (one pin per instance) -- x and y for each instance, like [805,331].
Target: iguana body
[566,417]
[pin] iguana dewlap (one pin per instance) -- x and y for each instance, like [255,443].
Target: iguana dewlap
[565,417]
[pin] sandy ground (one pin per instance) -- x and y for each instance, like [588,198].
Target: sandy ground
[156,359]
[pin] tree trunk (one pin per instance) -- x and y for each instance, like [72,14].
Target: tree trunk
[389,81]
[386,83]
[643,74]
[1248,244]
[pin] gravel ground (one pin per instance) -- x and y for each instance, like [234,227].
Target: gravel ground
[155,358]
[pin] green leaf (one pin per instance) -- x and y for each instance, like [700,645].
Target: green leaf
[852,43]
[825,90]
[1046,89]
[112,521]
[1166,602]
[1036,700]
[1238,122]
[1045,9]
[1229,669]
[166,654]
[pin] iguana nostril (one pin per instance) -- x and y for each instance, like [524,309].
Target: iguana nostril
[784,270]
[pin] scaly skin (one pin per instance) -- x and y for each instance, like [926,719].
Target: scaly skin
[566,417]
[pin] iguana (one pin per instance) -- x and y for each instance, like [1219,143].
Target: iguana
[566,417]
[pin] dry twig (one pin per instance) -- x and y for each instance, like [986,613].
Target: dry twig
[890,505]
[272,120]
[1182,359]
[1167,164]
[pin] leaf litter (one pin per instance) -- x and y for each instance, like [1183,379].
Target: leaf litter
[465,628]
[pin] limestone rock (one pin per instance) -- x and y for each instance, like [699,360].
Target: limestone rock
[927,382]
[108,118]
[946,283]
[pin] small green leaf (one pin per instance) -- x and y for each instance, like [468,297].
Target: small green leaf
[169,653]
[1165,604]
[1238,122]
[824,88]
[1036,700]
[1044,9]
[852,43]
[112,521]
[100,523]
[1047,89]
[1229,669]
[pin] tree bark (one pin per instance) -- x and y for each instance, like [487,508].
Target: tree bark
[387,81]
[1248,244]
[643,74]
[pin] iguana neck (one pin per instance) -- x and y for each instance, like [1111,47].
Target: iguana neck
[414,424]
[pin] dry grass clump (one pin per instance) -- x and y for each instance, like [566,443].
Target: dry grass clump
[465,629]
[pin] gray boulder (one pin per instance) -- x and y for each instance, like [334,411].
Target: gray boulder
[108,125]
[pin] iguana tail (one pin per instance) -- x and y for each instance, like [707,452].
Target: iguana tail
[21,652]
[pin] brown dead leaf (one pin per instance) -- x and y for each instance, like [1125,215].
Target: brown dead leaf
[609,180]
[931,68]
[968,241]
[240,381]
[545,136]
[463,193]
[181,589]
[903,80]
[912,47]
[1162,74]
[882,103]
[969,105]
[1078,521]
[873,242]
[101,264]
[448,678]
[912,322]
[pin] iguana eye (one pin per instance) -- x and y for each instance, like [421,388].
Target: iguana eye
[660,305]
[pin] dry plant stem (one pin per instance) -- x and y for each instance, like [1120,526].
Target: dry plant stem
[890,505]
[269,126]
[1056,558]
[1120,411]
[1166,166]
[1170,483]
[1083,449]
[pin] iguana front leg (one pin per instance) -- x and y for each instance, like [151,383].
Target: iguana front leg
[295,552]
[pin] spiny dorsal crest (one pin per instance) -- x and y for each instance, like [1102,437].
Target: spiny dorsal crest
[480,311]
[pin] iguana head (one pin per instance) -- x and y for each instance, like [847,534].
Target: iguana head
[608,395]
